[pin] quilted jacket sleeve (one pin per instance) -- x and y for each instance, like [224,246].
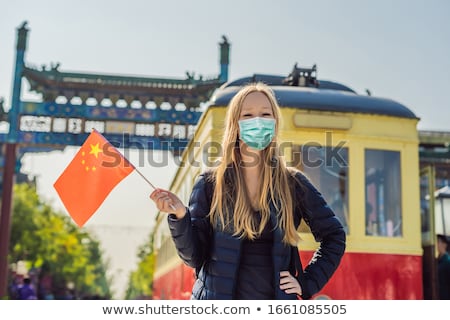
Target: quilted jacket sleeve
[193,233]
[328,231]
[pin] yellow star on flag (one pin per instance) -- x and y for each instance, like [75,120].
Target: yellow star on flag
[95,150]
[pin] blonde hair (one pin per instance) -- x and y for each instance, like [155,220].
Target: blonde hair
[229,180]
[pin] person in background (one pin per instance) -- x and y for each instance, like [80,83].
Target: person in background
[240,229]
[26,291]
[443,267]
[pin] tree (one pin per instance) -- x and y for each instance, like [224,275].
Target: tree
[140,281]
[50,243]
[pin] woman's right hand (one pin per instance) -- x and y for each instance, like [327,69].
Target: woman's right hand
[167,201]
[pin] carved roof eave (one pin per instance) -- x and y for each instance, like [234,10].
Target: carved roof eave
[56,82]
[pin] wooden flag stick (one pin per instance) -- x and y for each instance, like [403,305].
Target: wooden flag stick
[146,180]
[150,184]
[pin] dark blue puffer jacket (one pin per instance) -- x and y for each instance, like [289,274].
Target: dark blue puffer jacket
[216,254]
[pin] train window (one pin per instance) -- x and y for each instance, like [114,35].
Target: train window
[327,168]
[383,193]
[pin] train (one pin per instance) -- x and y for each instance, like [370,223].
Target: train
[363,153]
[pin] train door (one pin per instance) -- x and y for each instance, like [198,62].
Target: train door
[427,214]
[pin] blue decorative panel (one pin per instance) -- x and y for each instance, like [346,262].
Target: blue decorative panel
[118,140]
[109,113]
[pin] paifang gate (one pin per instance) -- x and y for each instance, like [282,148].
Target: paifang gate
[130,111]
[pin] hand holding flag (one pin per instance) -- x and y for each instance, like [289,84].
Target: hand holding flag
[167,201]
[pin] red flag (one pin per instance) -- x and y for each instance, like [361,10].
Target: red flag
[92,174]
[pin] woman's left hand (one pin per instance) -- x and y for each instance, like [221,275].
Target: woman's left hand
[289,284]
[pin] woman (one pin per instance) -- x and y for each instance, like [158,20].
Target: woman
[240,229]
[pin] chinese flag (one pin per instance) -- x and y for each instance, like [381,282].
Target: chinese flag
[92,174]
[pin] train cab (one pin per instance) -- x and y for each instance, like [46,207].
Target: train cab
[360,151]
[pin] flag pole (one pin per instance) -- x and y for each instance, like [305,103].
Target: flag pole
[146,180]
[150,184]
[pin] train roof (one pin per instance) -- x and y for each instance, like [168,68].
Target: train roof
[325,96]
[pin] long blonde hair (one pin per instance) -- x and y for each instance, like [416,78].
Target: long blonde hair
[229,180]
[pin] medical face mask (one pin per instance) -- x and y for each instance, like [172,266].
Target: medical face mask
[257,132]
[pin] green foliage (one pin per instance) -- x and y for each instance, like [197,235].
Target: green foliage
[140,281]
[49,242]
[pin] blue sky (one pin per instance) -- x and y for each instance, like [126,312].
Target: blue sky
[397,49]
